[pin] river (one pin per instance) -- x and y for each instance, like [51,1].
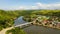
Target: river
[36,29]
[19,21]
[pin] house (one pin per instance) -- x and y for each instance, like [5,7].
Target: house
[58,24]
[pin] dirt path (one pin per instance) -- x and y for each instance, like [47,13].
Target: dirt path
[4,30]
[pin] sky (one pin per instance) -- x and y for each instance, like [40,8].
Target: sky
[29,4]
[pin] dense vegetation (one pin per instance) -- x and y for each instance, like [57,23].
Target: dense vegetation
[16,30]
[48,12]
[42,12]
[7,17]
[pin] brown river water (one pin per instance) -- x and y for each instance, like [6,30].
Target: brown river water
[41,30]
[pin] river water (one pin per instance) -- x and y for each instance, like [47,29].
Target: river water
[36,29]
[19,21]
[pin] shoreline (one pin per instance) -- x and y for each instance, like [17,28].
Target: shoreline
[46,26]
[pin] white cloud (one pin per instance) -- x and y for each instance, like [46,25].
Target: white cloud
[48,6]
[22,7]
[34,7]
[38,6]
[42,6]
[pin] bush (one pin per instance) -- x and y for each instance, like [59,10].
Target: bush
[15,31]
[1,28]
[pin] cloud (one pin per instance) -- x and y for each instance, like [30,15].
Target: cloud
[48,6]
[41,6]
[34,7]
[22,7]
[37,5]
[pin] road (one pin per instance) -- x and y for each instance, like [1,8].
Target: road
[4,30]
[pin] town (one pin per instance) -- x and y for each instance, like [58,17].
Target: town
[48,21]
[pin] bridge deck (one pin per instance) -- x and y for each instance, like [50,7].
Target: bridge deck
[25,24]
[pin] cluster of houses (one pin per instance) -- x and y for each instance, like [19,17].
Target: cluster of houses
[48,21]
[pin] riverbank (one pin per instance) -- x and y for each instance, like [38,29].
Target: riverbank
[46,26]
[36,29]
